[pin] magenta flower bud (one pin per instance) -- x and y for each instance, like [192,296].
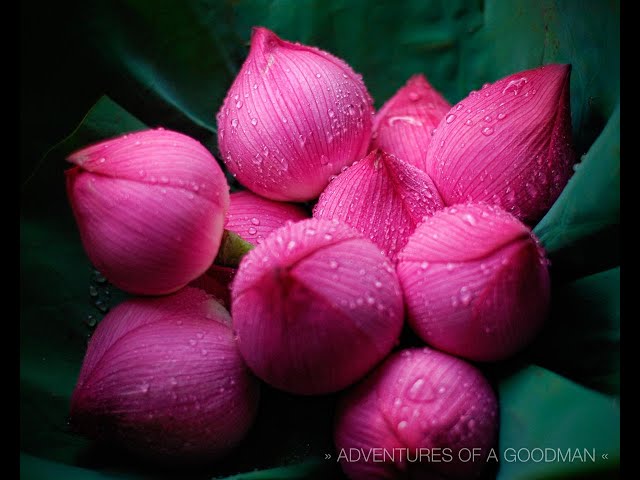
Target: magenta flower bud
[508,144]
[150,208]
[382,197]
[254,218]
[404,125]
[421,414]
[294,116]
[475,282]
[315,307]
[163,378]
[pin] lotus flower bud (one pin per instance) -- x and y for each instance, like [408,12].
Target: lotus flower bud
[294,116]
[475,281]
[254,218]
[429,414]
[150,208]
[509,144]
[404,124]
[315,307]
[382,197]
[163,377]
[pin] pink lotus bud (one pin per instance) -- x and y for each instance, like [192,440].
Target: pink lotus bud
[315,307]
[254,218]
[293,117]
[150,208]
[382,197]
[428,414]
[475,282]
[163,377]
[508,144]
[404,124]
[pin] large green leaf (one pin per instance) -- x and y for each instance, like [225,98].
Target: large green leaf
[581,339]
[540,410]
[170,63]
[581,229]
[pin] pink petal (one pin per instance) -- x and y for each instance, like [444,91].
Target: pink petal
[508,144]
[383,198]
[293,117]
[150,208]
[404,124]
[163,378]
[475,282]
[315,307]
[418,400]
[254,218]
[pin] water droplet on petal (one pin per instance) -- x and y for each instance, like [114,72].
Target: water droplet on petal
[465,296]
[486,131]
[450,118]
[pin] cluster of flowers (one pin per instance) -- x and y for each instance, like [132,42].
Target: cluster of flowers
[423,212]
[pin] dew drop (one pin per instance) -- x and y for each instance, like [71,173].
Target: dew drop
[333,264]
[239,104]
[470,219]
[420,391]
[468,123]
[402,425]
[255,221]
[501,116]
[486,131]
[465,296]
[252,231]
[254,121]
[450,118]
[424,265]
[234,122]
[90,321]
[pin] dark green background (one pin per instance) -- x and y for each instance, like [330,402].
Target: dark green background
[92,71]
